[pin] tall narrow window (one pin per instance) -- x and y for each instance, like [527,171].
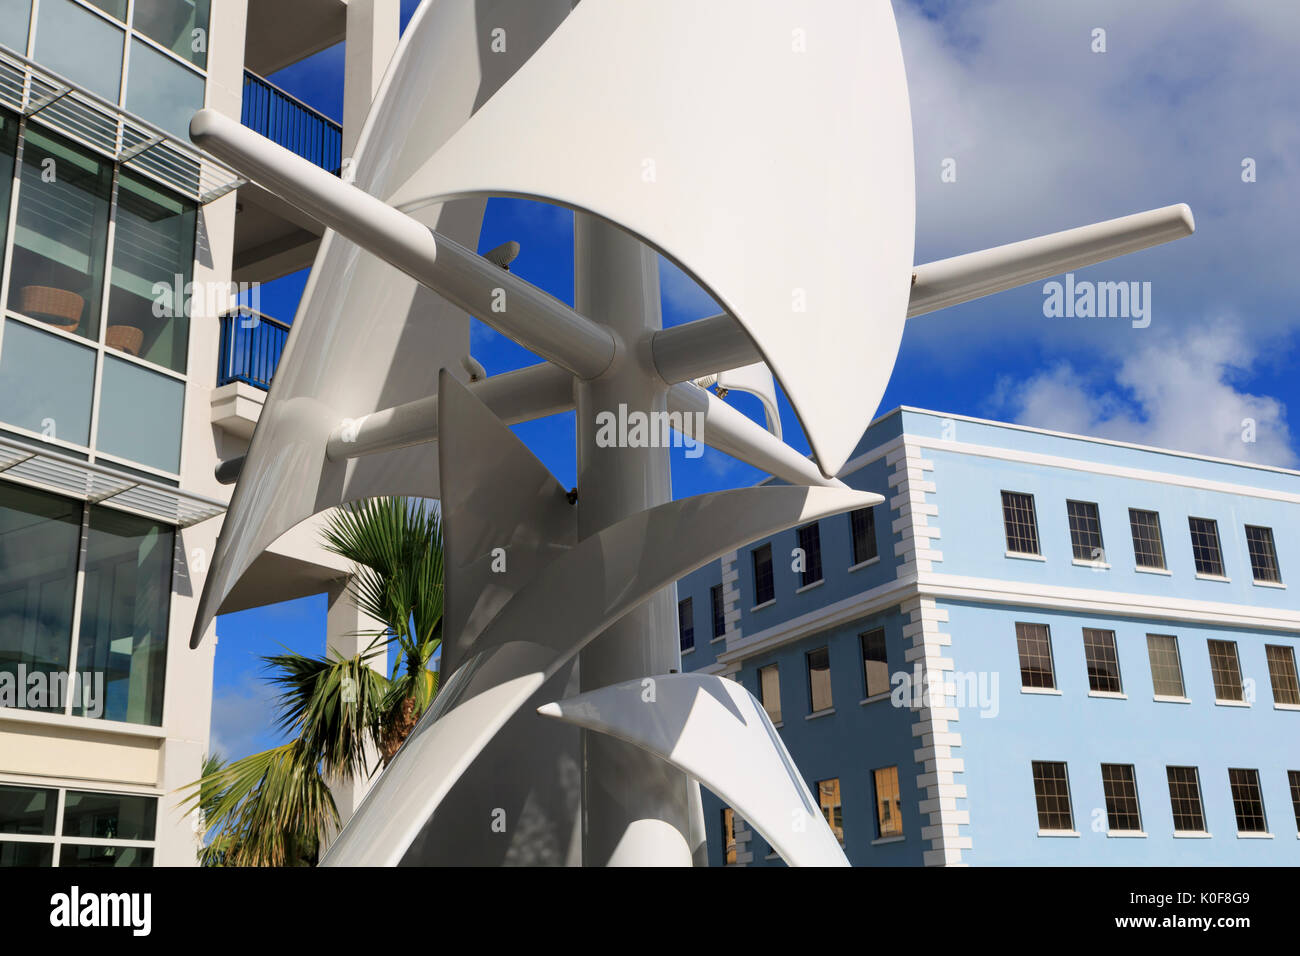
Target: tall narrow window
[1166,665]
[819,679]
[1293,778]
[828,795]
[1020,522]
[1120,785]
[1185,799]
[769,691]
[686,623]
[810,543]
[1034,642]
[1103,661]
[862,525]
[764,586]
[178,25]
[8,152]
[875,662]
[1052,793]
[1205,546]
[1282,674]
[719,608]
[1263,555]
[728,835]
[1085,531]
[1148,543]
[1226,671]
[889,805]
[1247,801]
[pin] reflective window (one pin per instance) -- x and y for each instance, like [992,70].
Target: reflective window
[1247,801]
[769,691]
[718,605]
[1185,799]
[105,856]
[15,20]
[124,614]
[889,804]
[1205,546]
[115,7]
[179,25]
[764,585]
[1282,674]
[46,383]
[163,91]
[77,44]
[1085,531]
[1263,554]
[1052,794]
[140,415]
[1020,522]
[1166,665]
[1103,661]
[153,261]
[862,524]
[39,536]
[62,235]
[728,835]
[29,811]
[828,795]
[1034,643]
[1225,668]
[1120,786]
[686,623]
[819,679]
[109,816]
[810,543]
[875,662]
[8,155]
[1148,544]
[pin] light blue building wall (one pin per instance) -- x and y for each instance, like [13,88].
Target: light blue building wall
[949,595]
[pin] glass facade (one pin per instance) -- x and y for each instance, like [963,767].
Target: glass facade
[78,828]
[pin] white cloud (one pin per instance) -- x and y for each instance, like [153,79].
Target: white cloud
[243,718]
[1175,392]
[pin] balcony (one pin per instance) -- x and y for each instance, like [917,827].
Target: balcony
[287,120]
[251,346]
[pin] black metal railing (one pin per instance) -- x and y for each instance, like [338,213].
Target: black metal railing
[287,120]
[251,346]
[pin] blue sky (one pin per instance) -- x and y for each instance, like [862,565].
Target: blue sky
[1045,134]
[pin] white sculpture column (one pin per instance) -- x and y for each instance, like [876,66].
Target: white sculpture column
[373,29]
[636,808]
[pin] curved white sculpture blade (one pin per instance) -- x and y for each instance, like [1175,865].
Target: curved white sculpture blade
[763,145]
[755,379]
[570,602]
[367,336]
[714,730]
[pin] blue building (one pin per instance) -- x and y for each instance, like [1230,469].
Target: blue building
[1041,649]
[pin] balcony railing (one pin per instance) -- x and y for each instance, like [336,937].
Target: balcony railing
[287,120]
[251,345]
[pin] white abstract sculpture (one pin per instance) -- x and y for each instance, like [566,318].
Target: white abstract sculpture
[764,146]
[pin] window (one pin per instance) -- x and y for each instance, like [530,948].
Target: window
[1282,673]
[889,805]
[1247,801]
[15,22]
[764,587]
[819,679]
[1034,643]
[87,49]
[1103,661]
[1263,556]
[1052,793]
[1226,670]
[875,662]
[96,829]
[1293,778]
[1205,546]
[140,415]
[719,608]
[1166,665]
[1085,531]
[686,623]
[1120,785]
[828,796]
[769,691]
[862,526]
[1185,799]
[1020,522]
[810,543]
[728,835]
[47,383]
[179,25]
[8,152]
[162,91]
[1148,544]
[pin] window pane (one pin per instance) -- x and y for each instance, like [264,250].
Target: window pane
[124,617]
[87,49]
[1226,670]
[1148,544]
[1103,660]
[1052,794]
[39,537]
[61,241]
[8,156]
[1085,531]
[1166,666]
[46,384]
[1247,801]
[1293,778]
[889,805]
[140,415]
[769,688]
[828,796]
[15,20]
[764,587]
[728,835]
[719,608]
[1282,673]
[153,247]
[116,7]
[179,25]
[1263,556]
[810,542]
[1034,643]
[875,663]
[26,855]
[1185,799]
[862,523]
[1205,546]
[686,623]
[1020,522]
[162,91]
[819,679]
[108,816]
[28,810]
[105,856]
[1120,786]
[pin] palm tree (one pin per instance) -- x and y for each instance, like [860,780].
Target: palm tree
[272,808]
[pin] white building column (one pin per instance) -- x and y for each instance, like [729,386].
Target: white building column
[374,27]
